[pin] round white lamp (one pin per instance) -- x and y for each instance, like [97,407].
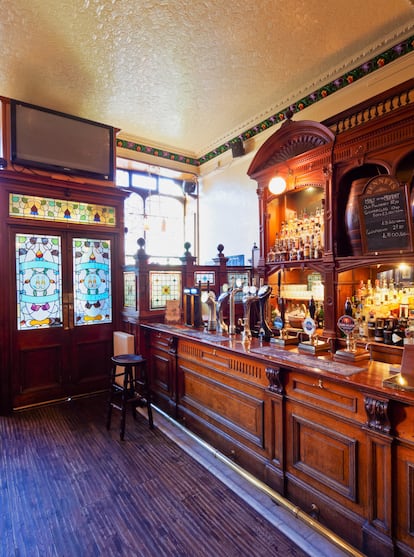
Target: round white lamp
[277,185]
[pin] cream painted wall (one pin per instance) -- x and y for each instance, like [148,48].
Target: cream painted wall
[228,210]
[228,201]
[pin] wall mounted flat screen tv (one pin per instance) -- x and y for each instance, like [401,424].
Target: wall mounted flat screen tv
[57,142]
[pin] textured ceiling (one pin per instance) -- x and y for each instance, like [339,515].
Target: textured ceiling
[186,74]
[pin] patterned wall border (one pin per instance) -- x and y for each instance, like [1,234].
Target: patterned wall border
[379,61]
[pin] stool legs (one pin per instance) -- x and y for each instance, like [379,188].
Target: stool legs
[134,390]
[144,396]
[112,390]
[125,396]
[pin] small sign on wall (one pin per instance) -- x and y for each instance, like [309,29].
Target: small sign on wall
[235,260]
[172,312]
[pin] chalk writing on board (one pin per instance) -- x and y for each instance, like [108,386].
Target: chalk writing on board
[386,221]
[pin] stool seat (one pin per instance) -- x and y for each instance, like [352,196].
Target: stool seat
[125,359]
[128,386]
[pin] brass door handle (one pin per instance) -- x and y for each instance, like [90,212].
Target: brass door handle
[68,319]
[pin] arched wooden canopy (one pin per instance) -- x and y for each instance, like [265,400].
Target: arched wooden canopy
[292,139]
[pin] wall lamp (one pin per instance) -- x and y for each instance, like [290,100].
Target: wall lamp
[277,185]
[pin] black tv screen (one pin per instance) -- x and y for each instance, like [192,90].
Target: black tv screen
[57,142]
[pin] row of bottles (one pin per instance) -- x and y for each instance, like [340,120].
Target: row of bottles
[384,312]
[299,239]
[383,299]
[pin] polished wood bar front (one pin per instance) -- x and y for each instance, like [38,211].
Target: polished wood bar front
[325,434]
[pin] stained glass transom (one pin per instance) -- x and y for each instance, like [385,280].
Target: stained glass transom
[58,210]
[39,281]
[164,286]
[205,278]
[92,281]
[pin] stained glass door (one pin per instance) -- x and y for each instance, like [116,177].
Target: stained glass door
[39,281]
[63,314]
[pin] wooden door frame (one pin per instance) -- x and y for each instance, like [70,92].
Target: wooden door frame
[43,186]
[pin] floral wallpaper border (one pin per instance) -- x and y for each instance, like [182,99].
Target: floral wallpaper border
[379,61]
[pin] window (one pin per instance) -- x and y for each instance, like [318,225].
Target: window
[160,211]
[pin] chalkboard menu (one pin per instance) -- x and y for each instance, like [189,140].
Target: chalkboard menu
[385,219]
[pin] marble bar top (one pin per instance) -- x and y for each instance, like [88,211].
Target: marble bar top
[367,375]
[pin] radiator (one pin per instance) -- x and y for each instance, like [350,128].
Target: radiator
[124,343]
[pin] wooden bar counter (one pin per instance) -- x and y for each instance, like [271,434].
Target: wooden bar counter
[325,434]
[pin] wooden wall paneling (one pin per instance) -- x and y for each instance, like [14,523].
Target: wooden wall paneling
[404,498]
[161,352]
[380,492]
[221,398]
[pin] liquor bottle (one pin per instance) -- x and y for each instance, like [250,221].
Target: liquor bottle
[320,317]
[348,306]
[371,325]
[312,308]
[317,253]
[363,328]
[306,248]
[300,255]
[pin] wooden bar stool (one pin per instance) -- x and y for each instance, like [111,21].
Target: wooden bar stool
[129,386]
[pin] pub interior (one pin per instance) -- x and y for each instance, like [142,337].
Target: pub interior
[295,360]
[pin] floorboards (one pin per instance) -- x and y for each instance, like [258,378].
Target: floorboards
[70,488]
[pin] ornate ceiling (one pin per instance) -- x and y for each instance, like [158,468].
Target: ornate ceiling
[187,75]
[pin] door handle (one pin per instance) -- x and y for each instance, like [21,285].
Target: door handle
[68,320]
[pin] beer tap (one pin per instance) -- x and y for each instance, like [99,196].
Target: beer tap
[235,290]
[263,295]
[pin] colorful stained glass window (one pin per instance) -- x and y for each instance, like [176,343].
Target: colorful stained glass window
[39,281]
[164,286]
[58,210]
[92,281]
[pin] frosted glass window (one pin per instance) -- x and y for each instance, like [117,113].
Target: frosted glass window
[92,281]
[134,223]
[166,226]
[39,281]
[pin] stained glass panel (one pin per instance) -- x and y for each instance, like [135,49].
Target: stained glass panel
[39,281]
[58,210]
[92,281]
[130,290]
[243,277]
[204,278]
[164,286]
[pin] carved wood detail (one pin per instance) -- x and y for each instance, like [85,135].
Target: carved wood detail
[377,414]
[275,382]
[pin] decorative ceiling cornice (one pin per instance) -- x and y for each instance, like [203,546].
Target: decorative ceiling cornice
[377,62]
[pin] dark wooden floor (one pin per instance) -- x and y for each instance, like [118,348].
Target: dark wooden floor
[69,488]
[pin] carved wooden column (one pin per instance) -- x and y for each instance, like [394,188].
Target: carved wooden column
[263,218]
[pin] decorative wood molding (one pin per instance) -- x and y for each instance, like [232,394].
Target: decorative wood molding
[172,346]
[275,382]
[377,414]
